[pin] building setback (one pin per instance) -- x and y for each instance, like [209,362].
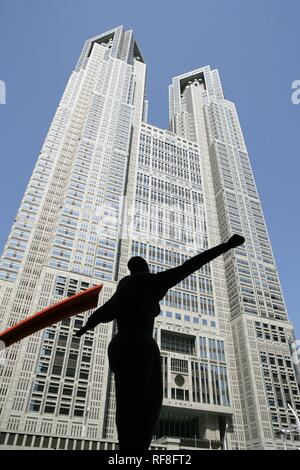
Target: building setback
[107,186]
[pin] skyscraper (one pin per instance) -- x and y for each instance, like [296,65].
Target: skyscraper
[106,186]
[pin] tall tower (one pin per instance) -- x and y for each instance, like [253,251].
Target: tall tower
[62,241]
[107,186]
[261,333]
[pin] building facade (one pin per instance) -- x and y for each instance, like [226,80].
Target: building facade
[107,186]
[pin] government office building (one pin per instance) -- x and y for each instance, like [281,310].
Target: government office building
[107,186]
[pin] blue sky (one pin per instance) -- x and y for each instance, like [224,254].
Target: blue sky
[254,44]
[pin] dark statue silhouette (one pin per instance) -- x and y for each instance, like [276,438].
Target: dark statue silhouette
[134,356]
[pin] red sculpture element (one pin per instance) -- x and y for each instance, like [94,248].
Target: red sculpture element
[64,309]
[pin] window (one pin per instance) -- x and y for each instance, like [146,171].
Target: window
[64,410]
[34,405]
[50,408]
[177,342]
[46,442]
[179,394]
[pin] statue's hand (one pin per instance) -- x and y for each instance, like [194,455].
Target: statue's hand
[236,240]
[80,332]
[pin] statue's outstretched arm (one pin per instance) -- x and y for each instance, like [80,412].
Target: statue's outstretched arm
[172,277]
[103,314]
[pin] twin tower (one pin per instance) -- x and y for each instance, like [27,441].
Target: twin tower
[107,186]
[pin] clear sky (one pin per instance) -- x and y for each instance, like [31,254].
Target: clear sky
[253,43]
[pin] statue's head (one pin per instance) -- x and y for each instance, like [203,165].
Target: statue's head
[137,264]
